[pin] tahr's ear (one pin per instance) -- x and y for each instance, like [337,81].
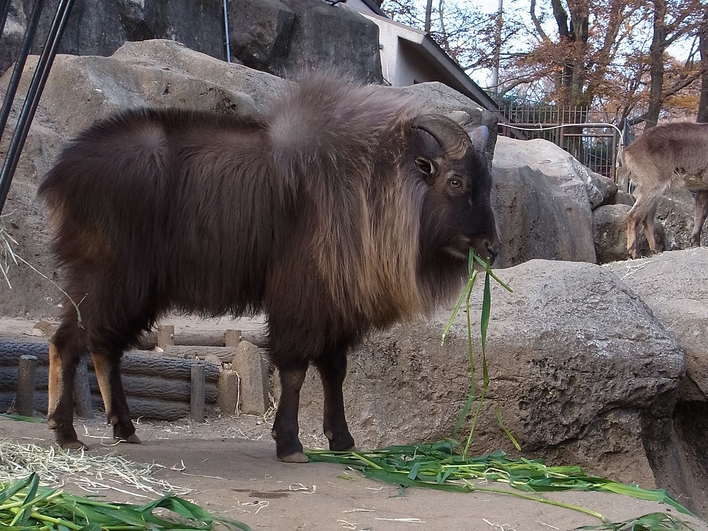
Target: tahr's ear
[479,136]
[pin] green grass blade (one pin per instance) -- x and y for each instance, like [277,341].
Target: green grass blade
[648,522]
[9,492]
[23,515]
[484,325]
[23,418]
[506,431]
[503,284]
[463,296]
[27,506]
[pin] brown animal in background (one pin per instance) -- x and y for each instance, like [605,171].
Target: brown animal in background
[340,211]
[666,155]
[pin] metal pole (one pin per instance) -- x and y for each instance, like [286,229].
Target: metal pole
[497,49]
[4,10]
[39,79]
[226,30]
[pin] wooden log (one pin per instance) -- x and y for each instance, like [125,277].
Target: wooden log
[9,398]
[139,407]
[10,352]
[165,335]
[154,388]
[207,338]
[196,404]
[148,364]
[8,378]
[82,391]
[157,409]
[24,404]
[225,354]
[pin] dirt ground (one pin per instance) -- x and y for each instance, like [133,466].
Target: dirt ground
[230,466]
[231,469]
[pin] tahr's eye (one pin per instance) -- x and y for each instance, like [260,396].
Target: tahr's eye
[425,165]
[455,183]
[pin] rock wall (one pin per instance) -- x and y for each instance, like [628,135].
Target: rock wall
[279,37]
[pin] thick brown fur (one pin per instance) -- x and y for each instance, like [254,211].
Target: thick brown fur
[666,155]
[317,214]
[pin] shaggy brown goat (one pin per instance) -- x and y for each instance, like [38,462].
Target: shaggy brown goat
[339,211]
[666,155]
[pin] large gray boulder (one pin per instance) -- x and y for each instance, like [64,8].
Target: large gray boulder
[577,362]
[675,286]
[609,226]
[100,28]
[542,204]
[279,37]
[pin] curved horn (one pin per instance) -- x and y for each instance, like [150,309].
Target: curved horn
[449,134]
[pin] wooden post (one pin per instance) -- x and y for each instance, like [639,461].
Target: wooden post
[232,338]
[24,404]
[82,391]
[196,402]
[165,335]
[252,368]
[228,392]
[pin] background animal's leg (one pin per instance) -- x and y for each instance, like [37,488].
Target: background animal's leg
[648,223]
[633,224]
[285,427]
[700,217]
[65,350]
[107,367]
[333,369]
[641,215]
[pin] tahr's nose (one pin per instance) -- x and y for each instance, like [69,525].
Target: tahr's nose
[486,248]
[492,249]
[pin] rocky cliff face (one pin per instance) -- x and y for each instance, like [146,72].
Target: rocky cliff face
[279,37]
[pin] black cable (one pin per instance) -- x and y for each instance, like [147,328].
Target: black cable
[34,93]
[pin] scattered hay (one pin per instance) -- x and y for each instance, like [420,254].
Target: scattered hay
[91,473]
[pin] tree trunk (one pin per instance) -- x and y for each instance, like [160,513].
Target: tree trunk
[703,48]
[656,66]
[428,15]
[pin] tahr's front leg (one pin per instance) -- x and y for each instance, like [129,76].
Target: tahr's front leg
[285,427]
[333,369]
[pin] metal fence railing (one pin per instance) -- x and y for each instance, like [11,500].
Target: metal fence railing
[584,133]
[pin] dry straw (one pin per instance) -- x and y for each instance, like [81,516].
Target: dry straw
[92,473]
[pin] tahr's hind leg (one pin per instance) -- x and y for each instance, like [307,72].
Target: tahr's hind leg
[701,214]
[107,367]
[333,369]
[65,350]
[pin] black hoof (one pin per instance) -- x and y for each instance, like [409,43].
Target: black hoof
[341,442]
[297,457]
